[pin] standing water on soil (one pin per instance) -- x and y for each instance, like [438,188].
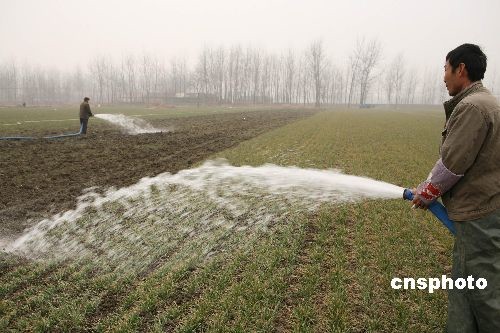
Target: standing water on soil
[130,125]
[194,213]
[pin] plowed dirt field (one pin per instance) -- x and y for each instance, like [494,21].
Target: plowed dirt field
[40,178]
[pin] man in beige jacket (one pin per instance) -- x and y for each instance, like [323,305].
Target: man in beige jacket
[467,177]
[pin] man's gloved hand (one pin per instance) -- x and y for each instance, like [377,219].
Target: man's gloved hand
[425,194]
[440,180]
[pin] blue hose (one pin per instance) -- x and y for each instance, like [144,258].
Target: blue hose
[45,137]
[63,135]
[17,138]
[437,209]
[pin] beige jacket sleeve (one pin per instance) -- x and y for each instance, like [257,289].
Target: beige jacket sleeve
[464,135]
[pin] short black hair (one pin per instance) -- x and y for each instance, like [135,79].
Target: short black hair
[472,56]
[86,99]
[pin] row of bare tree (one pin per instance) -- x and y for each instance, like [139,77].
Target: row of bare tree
[234,75]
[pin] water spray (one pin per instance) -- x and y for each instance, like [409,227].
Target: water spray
[128,125]
[197,212]
[437,209]
[131,125]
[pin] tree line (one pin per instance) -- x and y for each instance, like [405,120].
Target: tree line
[233,75]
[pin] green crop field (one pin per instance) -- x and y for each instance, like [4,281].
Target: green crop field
[151,265]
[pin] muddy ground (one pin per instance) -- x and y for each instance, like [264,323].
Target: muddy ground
[43,177]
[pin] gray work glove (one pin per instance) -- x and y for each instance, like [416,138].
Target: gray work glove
[440,181]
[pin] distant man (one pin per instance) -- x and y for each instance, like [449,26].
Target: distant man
[85,114]
[467,176]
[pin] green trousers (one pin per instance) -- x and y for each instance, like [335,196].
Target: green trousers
[476,253]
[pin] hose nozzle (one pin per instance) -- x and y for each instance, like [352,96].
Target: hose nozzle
[407,194]
[437,209]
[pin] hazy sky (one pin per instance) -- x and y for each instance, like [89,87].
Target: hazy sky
[66,33]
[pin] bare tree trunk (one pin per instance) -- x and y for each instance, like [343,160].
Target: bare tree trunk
[353,71]
[290,75]
[236,86]
[316,63]
[131,78]
[265,79]
[398,76]
[370,55]
[256,75]
[9,83]
[97,70]
[411,87]
[221,60]
[304,72]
